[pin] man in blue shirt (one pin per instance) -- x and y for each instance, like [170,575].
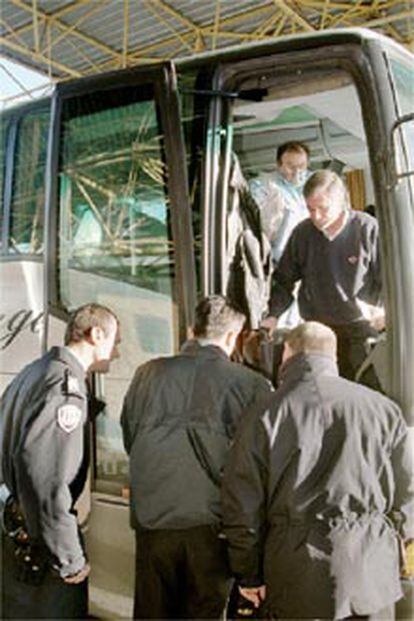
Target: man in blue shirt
[279,195]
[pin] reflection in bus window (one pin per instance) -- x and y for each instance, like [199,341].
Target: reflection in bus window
[26,225]
[115,244]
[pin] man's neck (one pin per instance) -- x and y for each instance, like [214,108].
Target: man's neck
[82,354]
[333,230]
[214,343]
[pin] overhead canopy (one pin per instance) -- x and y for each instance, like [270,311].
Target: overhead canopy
[70,38]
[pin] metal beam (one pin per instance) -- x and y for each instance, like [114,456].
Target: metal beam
[39,57]
[16,81]
[148,49]
[177,15]
[35,26]
[294,16]
[216,25]
[76,33]
[269,22]
[72,29]
[125,34]
[389,19]
[167,24]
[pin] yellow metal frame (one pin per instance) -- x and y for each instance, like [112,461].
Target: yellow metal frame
[275,17]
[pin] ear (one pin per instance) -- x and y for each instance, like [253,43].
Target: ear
[96,334]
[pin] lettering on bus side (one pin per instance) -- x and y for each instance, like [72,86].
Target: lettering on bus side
[12,326]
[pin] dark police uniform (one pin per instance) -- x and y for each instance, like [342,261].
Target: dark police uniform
[44,462]
[178,419]
[334,275]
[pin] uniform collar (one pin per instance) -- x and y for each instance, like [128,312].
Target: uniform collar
[66,356]
[302,366]
[194,348]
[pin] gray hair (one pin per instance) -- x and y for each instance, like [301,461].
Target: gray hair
[215,316]
[329,181]
[312,337]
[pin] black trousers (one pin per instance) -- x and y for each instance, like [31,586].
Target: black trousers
[181,574]
[51,599]
[352,351]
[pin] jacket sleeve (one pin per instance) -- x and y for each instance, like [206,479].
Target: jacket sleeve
[132,407]
[285,276]
[372,290]
[50,460]
[403,467]
[244,500]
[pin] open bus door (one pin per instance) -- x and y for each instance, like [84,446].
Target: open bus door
[119,233]
[349,103]
[339,98]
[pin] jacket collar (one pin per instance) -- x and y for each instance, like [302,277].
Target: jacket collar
[302,366]
[63,354]
[195,349]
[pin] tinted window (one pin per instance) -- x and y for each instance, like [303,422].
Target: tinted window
[26,223]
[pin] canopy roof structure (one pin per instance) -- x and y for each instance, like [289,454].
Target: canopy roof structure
[71,38]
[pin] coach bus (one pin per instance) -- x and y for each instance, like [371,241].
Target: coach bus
[120,189]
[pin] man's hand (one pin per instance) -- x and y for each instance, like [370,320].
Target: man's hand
[407,554]
[269,324]
[256,595]
[80,576]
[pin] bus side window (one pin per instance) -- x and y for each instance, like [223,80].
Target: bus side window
[3,134]
[26,225]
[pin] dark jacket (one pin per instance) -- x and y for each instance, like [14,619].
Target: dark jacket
[309,489]
[178,420]
[44,457]
[334,274]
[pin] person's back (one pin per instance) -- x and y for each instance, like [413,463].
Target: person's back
[328,451]
[342,467]
[179,417]
[187,408]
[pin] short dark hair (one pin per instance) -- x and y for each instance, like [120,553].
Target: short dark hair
[214,316]
[86,317]
[294,146]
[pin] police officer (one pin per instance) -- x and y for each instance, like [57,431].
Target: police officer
[44,462]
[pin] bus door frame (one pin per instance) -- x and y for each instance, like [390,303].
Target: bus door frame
[348,57]
[364,61]
[163,80]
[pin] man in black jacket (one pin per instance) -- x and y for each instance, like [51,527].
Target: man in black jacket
[314,479]
[335,255]
[178,420]
[44,463]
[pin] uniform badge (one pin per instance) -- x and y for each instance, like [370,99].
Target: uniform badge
[69,417]
[73,384]
[352,260]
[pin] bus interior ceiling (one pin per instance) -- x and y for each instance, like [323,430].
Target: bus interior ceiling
[323,111]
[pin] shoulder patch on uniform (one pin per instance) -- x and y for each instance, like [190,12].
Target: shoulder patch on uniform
[73,384]
[69,417]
